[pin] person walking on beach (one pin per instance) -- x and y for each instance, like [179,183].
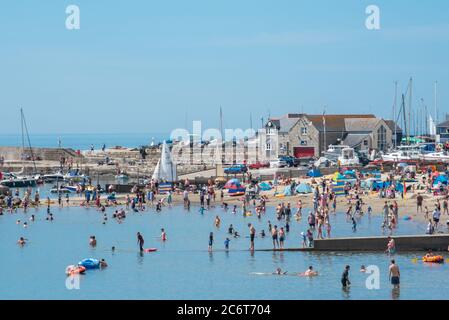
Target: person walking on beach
[211,241]
[419,201]
[252,235]
[140,241]
[345,277]
[394,274]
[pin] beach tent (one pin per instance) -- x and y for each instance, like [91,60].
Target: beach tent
[338,176]
[264,186]
[441,179]
[287,191]
[350,173]
[314,173]
[164,188]
[338,188]
[232,184]
[303,188]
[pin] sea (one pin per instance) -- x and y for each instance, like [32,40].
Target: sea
[182,267]
[83,141]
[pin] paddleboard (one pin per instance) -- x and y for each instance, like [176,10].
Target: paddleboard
[150,250]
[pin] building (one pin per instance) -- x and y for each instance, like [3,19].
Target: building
[303,135]
[442,130]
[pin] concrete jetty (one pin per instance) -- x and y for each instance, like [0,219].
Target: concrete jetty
[439,242]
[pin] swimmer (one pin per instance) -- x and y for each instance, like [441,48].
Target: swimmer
[236,234]
[113,248]
[103,263]
[18,221]
[279,272]
[231,229]
[309,272]
[92,241]
[362,268]
[21,241]
[262,233]
[25,225]
[32,218]
[234,209]
[217,221]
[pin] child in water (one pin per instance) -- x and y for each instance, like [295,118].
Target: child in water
[226,243]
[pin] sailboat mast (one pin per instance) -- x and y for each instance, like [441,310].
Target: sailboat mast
[394,111]
[24,125]
[436,104]
[405,118]
[221,124]
[410,108]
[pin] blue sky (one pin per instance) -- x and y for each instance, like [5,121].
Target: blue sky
[147,66]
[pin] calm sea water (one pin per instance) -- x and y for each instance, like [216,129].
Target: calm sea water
[183,269]
[81,141]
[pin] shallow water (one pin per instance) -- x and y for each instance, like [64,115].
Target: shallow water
[183,269]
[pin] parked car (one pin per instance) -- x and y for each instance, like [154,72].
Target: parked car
[258,165]
[291,161]
[278,164]
[239,168]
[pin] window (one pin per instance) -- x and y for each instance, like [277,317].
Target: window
[271,130]
[304,131]
[268,147]
[381,138]
[303,142]
[365,142]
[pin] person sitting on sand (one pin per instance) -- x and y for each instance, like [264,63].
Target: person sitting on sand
[309,272]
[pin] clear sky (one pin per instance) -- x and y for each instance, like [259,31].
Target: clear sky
[147,66]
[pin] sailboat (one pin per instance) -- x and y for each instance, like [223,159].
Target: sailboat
[165,169]
[16,180]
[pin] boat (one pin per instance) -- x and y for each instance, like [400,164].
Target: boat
[165,169]
[53,177]
[64,189]
[348,157]
[75,176]
[403,153]
[433,259]
[435,157]
[334,151]
[19,182]
[90,263]
[72,270]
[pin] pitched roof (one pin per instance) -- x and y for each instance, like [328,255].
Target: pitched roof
[444,124]
[355,139]
[334,122]
[361,124]
[285,123]
[391,124]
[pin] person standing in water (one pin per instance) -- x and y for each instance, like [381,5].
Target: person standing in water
[211,241]
[394,274]
[345,277]
[252,235]
[140,241]
[163,235]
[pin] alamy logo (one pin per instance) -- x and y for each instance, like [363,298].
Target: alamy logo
[373,280]
[372,22]
[72,22]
